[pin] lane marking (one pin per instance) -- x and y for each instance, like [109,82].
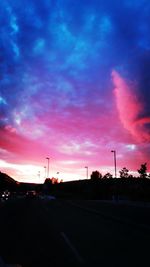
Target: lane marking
[72,248]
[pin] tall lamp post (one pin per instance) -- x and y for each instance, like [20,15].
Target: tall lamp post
[47,167]
[115,164]
[45,172]
[87,175]
[39,174]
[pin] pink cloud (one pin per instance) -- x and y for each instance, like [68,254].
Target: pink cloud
[130,108]
[23,149]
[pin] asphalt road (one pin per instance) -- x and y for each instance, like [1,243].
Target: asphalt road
[74,233]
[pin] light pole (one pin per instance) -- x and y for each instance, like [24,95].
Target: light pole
[114,151]
[45,171]
[87,175]
[47,167]
[39,174]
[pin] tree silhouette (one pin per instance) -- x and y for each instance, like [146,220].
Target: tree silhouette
[143,170]
[48,181]
[54,180]
[124,173]
[96,175]
[107,176]
[47,186]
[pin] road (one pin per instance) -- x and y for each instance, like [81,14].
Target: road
[57,233]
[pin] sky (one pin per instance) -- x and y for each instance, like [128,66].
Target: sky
[74,85]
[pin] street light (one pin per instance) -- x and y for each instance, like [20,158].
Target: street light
[39,174]
[45,171]
[114,151]
[87,175]
[47,167]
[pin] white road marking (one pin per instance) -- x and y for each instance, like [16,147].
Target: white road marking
[72,248]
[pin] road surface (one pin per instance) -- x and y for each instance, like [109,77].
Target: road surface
[55,233]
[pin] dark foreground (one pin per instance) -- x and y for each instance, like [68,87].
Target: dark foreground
[48,233]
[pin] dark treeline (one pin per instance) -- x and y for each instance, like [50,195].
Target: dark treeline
[103,187]
[126,187]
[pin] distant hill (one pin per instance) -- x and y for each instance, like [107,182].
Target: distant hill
[6,182]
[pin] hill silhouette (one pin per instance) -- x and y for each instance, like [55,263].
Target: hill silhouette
[7,182]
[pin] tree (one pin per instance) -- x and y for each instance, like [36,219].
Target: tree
[107,176]
[131,176]
[54,180]
[96,175]
[143,170]
[48,181]
[47,186]
[124,173]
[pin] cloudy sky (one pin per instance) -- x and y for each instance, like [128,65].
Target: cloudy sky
[74,85]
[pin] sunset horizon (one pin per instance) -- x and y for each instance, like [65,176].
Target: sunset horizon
[74,86]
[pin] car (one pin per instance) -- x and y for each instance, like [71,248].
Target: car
[47,197]
[31,194]
[5,195]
